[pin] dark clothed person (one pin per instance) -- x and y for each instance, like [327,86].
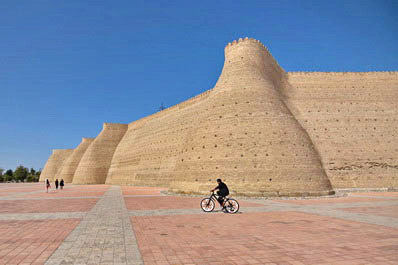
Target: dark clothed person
[222,192]
[56,184]
[62,184]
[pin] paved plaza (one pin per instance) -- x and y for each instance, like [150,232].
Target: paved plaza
[103,224]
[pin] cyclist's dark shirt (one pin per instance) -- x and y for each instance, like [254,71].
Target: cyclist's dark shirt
[222,187]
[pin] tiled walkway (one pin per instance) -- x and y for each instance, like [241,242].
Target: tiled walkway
[101,224]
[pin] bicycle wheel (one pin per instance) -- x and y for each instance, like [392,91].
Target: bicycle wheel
[207,205]
[232,206]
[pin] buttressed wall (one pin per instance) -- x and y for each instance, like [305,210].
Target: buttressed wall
[54,163]
[262,130]
[69,166]
[94,164]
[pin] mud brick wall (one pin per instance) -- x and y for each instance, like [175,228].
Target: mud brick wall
[353,120]
[94,164]
[262,130]
[240,131]
[54,163]
[69,166]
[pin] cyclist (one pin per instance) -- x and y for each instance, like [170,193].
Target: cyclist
[222,192]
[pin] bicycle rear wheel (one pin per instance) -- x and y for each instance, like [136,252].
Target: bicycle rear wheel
[207,205]
[232,206]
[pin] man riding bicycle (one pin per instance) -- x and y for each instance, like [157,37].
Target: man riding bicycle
[222,192]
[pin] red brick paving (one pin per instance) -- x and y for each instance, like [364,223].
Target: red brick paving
[389,211]
[331,200]
[63,193]
[32,242]
[131,190]
[46,206]
[263,238]
[171,202]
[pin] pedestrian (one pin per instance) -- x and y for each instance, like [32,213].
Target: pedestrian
[62,184]
[56,184]
[47,185]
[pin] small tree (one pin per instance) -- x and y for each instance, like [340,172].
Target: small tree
[21,173]
[9,175]
[1,175]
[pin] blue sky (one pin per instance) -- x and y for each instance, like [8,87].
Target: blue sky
[68,66]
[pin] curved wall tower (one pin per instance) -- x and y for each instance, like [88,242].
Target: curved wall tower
[54,164]
[249,137]
[94,164]
[69,166]
[240,131]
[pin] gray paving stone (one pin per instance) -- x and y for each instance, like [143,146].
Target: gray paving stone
[106,227]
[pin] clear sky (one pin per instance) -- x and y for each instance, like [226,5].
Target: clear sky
[68,66]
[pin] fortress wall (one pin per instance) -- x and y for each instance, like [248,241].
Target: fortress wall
[262,130]
[94,164]
[353,120]
[54,164]
[248,136]
[69,166]
[148,152]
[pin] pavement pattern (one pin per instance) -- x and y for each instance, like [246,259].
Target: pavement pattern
[102,224]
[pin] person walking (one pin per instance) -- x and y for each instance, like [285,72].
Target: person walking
[56,184]
[61,184]
[47,185]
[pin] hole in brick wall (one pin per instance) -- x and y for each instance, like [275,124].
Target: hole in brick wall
[197,179]
[211,156]
[270,179]
[215,135]
[220,117]
[235,167]
[203,147]
[241,155]
[198,157]
[215,145]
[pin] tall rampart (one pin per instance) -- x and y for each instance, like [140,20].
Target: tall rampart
[68,168]
[262,130]
[241,131]
[94,164]
[54,163]
[353,120]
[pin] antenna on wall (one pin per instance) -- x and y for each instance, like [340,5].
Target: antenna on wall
[162,107]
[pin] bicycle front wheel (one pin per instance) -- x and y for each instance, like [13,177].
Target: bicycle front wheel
[232,206]
[207,205]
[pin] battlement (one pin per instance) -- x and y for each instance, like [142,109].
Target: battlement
[378,73]
[86,139]
[108,125]
[239,48]
[59,151]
